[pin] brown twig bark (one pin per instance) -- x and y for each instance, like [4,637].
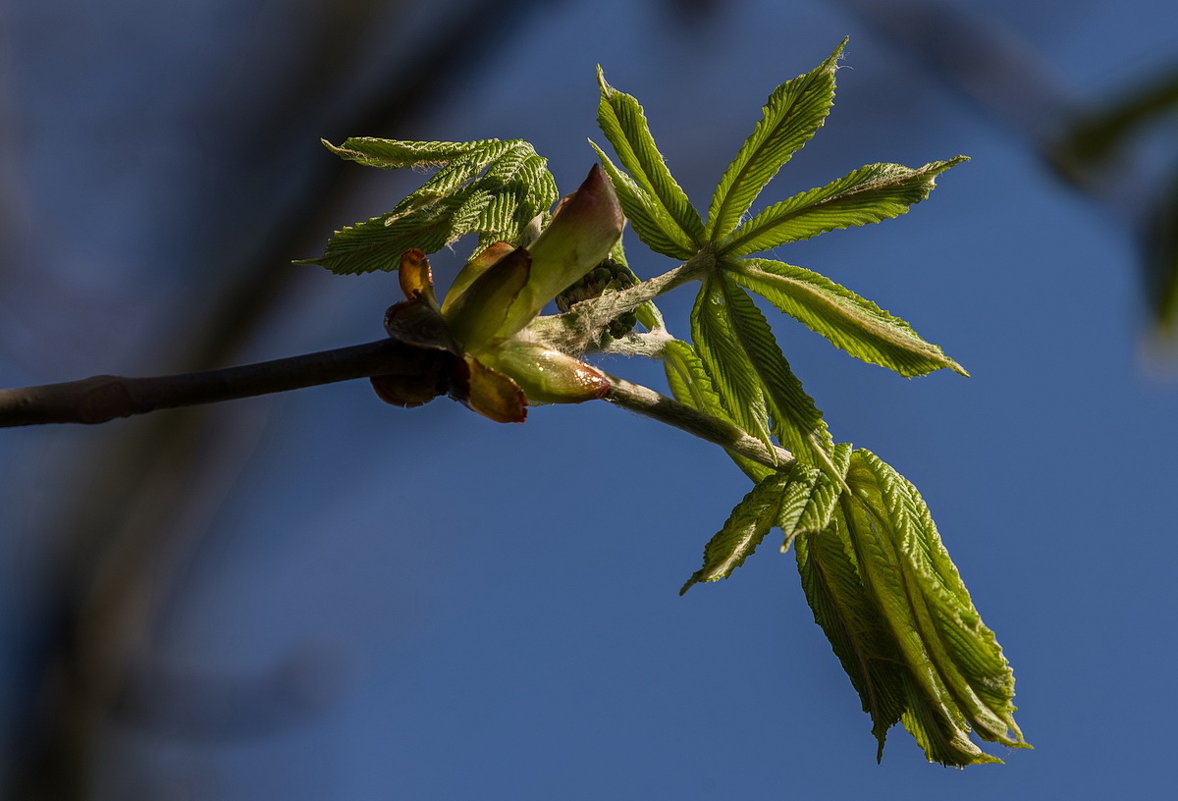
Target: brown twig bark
[102,398]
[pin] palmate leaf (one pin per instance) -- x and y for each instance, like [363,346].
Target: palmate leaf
[849,321]
[727,363]
[623,122]
[810,499]
[743,531]
[647,217]
[851,621]
[690,384]
[799,499]
[957,676]
[793,113]
[867,195]
[489,187]
[750,373]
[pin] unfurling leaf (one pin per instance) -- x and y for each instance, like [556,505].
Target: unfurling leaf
[743,531]
[849,321]
[867,195]
[490,187]
[904,605]
[690,384]
[659,199]
[851,620]
[751,374]
[791,116]
[812,496]
[799,500]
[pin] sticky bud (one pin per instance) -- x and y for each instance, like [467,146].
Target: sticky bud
[473,269]
[586,226]
[547,375]
[493,302]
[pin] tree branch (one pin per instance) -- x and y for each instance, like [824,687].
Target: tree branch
[102,398]
[645,401]
[105,397]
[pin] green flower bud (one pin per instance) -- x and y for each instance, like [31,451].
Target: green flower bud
[547,375]
[473,269]
[494,303]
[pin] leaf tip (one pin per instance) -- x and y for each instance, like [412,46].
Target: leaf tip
[838,53]
[601,82]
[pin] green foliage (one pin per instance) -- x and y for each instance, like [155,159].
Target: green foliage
[650,196]
[738,349]
[866,195]
[791,116]
[850,322]
[489,187]
[874,571]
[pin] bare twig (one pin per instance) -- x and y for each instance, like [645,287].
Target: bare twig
[104,397]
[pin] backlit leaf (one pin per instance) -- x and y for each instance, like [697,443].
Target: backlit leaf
[867,195]
[810,498]
[743,531]
[959,679]
[793,113]
[624,124]
[738,345]
[849,616]
[690,384]
[650,221]
[723,355]
[489,187]
[849,321]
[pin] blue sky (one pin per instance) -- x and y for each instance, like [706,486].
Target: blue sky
[471,610]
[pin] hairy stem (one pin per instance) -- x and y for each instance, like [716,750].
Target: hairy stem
[578,330]
[105,397]
[649,403]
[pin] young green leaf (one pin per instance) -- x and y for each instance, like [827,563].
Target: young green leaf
[851,620]
[743,531]
[623,122]
[867,195]
[392,154]
[793,113]
[690,384]
[740,353]
[647,217]
[727,363]
[453,176]
[849,321]
[490,187]
[959,677]
[809,500]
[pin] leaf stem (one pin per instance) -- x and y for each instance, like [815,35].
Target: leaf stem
[578,330]
[645,401]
